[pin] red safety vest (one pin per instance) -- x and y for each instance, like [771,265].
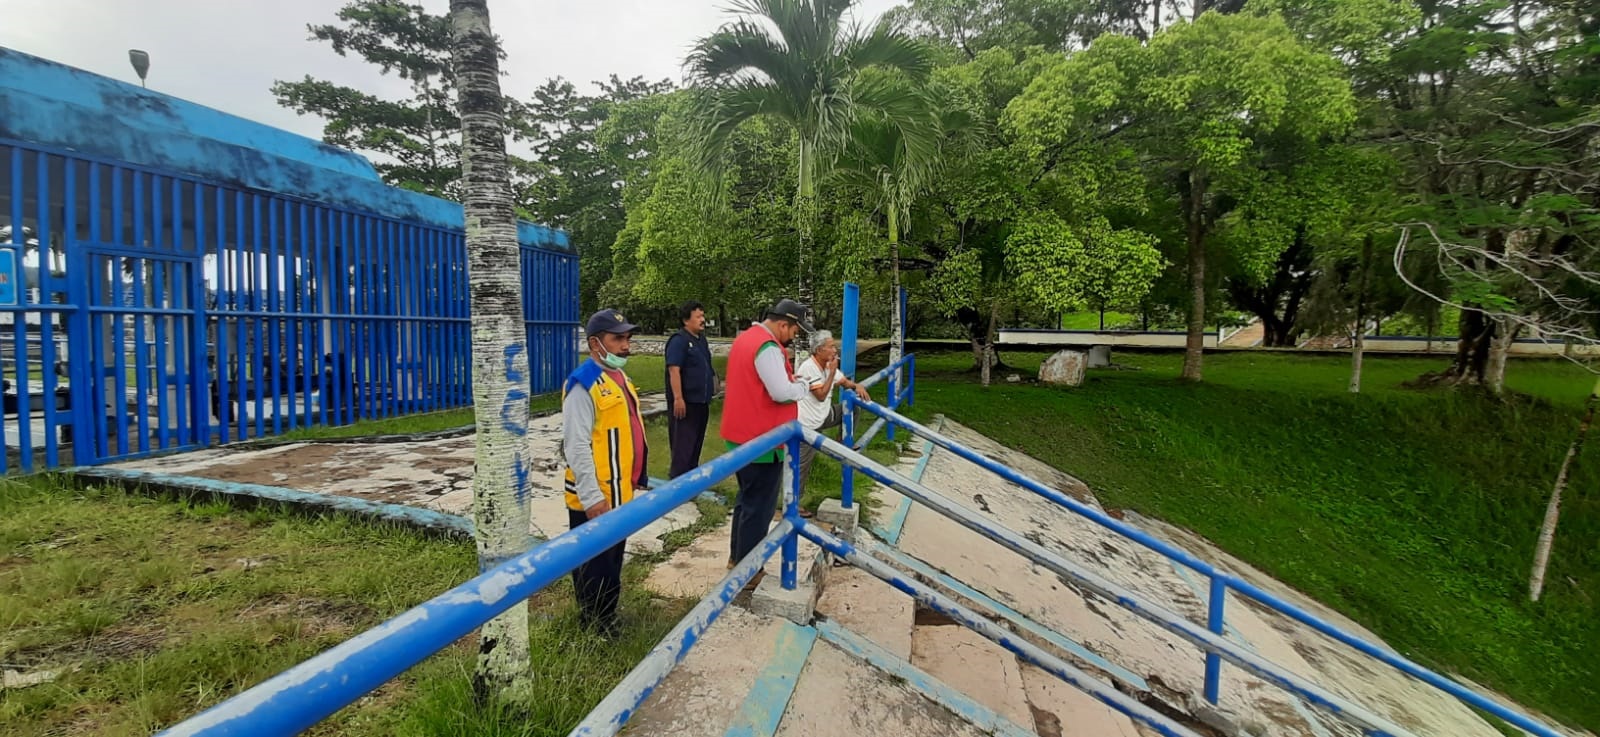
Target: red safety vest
[747,409]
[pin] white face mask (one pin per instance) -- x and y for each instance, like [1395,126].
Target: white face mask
[609,359]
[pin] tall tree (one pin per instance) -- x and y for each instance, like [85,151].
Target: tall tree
[499,349]
[1202,134]
[889,160]
[573,182]
[416,139]
[798,61]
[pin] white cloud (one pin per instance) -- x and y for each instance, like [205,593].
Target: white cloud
[227,53]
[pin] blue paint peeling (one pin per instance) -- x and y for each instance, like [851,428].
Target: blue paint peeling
[767,700]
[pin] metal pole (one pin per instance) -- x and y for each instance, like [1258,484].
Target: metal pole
[791,513]
[1214,621]
[1005,638]
[847,484]
[608,717]
[1249,661]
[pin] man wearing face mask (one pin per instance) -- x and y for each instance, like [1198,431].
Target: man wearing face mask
[603,443]
[761,395]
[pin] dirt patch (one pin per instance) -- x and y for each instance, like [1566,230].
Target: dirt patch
[119,643]
[1045,723]
[313,616]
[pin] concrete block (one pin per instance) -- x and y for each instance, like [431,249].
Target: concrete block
[798,605]
[844,521]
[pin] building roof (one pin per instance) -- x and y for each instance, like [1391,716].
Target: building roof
[52,105]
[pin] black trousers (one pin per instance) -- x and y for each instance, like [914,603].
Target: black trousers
[598,583]
[760,487]
[687,437]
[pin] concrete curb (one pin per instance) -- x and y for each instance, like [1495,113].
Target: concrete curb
[425,520]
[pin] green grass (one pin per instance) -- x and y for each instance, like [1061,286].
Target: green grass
[1413,512]
[647,372]
[162,608]
[1091,320]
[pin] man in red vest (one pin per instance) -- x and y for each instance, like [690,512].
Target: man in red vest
[761,394]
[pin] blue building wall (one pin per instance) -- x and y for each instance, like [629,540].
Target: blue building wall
[214,279]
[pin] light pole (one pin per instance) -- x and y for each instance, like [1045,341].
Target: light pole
[141,63]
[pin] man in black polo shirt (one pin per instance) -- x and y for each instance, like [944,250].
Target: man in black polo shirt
[690,384]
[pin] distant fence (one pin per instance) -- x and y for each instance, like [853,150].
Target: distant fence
[1022,337]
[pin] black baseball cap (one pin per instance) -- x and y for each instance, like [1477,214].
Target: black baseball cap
[609,321]
[792,310]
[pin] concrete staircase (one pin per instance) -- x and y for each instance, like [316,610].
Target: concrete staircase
[870,662]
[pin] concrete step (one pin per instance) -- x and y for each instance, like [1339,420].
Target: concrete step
[1059,710]
[708,690]
[838,694]
[978,668]
[859,602]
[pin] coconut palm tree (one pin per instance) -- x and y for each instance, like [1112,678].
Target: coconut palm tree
[889,157]
[798,61]
[499,357]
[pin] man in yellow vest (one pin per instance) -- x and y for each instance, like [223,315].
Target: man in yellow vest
[603,442]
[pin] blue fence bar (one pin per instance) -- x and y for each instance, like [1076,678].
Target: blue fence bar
[791,512]
[1005,638]
[307,693]
[608,718]
[1234,583]
[847,364]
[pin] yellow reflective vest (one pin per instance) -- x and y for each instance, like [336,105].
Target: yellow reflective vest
[612,437]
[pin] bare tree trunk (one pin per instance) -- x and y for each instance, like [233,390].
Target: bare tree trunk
[1194,344]
[1494,372]
[988,346]
[499,351]
[1552,513]
[1358,346]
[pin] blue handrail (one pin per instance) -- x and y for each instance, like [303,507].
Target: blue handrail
[1221,582]
[311,691]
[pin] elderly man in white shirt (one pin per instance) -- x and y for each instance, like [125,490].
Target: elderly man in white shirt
[818,411]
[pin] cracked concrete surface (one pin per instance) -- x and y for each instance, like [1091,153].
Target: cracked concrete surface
[431,474]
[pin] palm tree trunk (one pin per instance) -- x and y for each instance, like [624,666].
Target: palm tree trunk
[1552,513]
[499,352]
[897,344]
[804,202]
[1358,346]
[1194,345]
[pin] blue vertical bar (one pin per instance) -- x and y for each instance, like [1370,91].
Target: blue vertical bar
[911,379]
[847,365]
[1214,621]
[339,258]
[200,376]
[411,266]
[141,359]
[274,325]
[319,306]
[119,338]
[47,316]
[385,265]
[257,364]
[182,285]
[287,332]
[236,296]
[158,300]
[222,391]
[18,322]
[304,307]
[791,544]
[84,363]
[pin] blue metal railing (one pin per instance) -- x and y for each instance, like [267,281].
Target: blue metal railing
[1209,638]
[848,401]
[309,692]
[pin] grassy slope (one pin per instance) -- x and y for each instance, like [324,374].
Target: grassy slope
[1415,513]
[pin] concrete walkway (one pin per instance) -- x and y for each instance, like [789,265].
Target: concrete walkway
[433,475]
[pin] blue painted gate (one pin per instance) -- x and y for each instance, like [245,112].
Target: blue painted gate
[159,312]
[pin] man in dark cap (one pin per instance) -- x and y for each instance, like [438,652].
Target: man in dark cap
[761,395]
[603,443]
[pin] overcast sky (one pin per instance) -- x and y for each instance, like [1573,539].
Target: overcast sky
[227,53]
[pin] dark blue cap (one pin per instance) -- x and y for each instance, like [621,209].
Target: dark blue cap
[608,321]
